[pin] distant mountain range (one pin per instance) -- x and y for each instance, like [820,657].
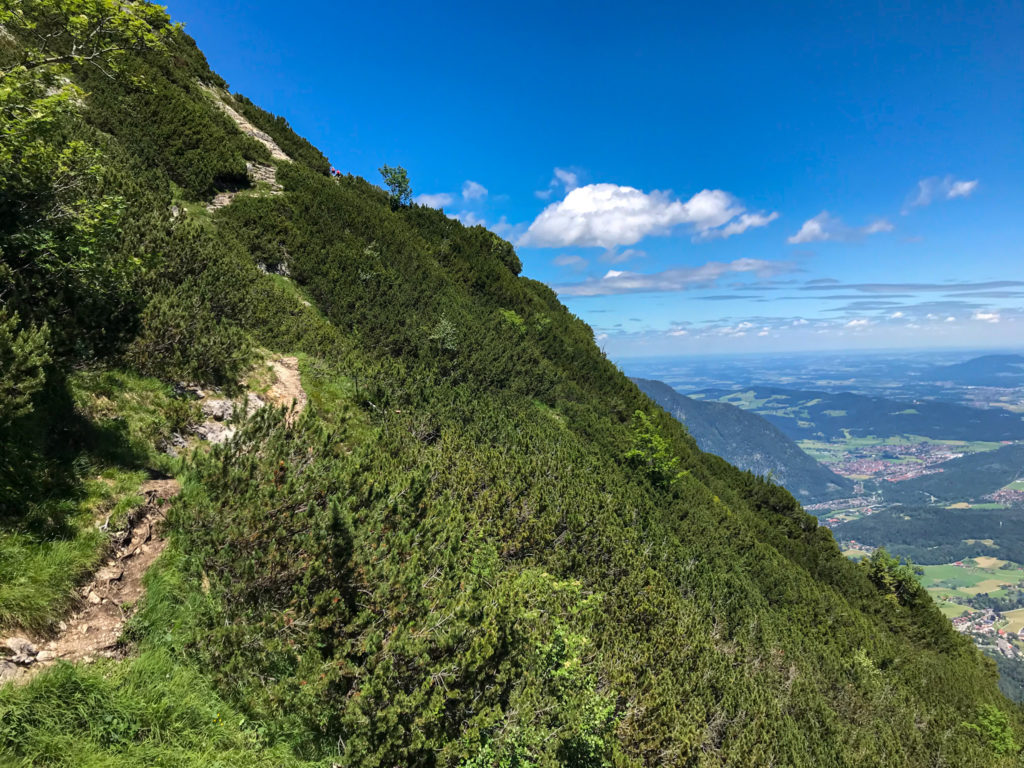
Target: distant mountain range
[749,442]
[812,415]
[985,371]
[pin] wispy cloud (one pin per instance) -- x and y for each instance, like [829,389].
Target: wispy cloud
[615,256]
[816,285]
[472,190]
[439,200]
[825,227]
[741,224]
[678,279]
[562,178]
[469,218]
[935,188]
[572,261]
[609,215]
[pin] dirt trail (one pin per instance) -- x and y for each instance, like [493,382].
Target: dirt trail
[288,384]
[108,599]
[249,129]
[114,591]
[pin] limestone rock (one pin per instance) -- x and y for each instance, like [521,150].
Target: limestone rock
[218,409]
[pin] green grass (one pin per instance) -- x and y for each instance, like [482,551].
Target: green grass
[54,543]
[951,609]
[954,581]
[151,709]
[38,572]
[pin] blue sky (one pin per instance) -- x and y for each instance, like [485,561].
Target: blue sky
[691,179]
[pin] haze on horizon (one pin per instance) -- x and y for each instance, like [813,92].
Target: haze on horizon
[789,177]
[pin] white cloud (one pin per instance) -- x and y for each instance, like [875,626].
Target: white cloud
[679,279]
[607,215]
[825,227]
[469,218]
[614,256]
[879,225]
[896,315]
[961,189]
[742,224]
[570,260]
[858,322]
[563,178]
[934,188]
[434,201]
[472,190]
[987,317]
[568,179]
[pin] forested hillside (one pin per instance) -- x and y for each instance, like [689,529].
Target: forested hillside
[815,415]
[479,545]
[750,442]
[966,478]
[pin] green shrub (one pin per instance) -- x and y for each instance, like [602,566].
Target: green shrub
[182,340]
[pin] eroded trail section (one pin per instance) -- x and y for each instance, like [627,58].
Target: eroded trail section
[107,600]
[287,387]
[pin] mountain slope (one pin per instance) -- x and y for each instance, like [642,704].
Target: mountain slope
[750,442]
[479,544]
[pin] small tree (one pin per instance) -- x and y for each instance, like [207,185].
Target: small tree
[396,179]
[24,355]
[652,453]
[895,580]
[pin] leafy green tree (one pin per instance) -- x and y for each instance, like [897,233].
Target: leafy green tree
[93,32]
[895,580]
[396,179]
[994,729]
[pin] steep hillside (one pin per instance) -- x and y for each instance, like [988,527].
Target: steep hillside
[478,545]
[750,442]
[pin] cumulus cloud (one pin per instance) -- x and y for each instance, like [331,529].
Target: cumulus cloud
[825,227]
[608,215]
[434,201]
[679,279]
[934,188]
[472,190]
[987,317]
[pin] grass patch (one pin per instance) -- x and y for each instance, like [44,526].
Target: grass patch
[1015,619]
[951,609]
[52,542]
[145,712]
